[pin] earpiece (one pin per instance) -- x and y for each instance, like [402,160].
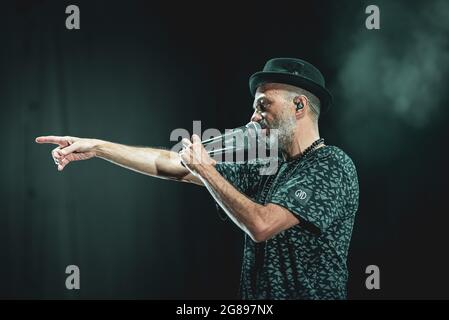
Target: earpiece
[299,106]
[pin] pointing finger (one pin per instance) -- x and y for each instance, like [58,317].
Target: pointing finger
[62,141]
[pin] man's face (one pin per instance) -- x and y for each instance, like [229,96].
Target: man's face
[273,110]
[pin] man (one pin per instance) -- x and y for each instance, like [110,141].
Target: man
[298,221]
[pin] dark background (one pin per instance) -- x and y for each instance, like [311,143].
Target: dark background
[135,71]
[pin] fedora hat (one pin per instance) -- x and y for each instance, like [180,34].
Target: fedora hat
[295,72]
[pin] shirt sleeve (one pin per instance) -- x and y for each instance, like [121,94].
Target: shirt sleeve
[312,194]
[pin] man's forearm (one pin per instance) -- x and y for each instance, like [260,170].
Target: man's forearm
[150,161]
[247,214]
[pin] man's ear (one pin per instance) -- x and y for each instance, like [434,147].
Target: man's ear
[300,103]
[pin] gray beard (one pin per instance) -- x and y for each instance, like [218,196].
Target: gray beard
[285,127]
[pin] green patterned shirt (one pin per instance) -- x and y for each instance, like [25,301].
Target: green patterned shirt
[308,260]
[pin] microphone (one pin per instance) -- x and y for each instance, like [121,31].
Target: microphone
[237,139]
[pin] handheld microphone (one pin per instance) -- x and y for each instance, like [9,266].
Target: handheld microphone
[237,139]
[252,128]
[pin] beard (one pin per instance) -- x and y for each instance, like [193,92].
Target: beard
[282,131]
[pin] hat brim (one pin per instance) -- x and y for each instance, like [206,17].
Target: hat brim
[260,78]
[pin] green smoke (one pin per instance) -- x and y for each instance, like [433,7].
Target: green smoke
[394,78]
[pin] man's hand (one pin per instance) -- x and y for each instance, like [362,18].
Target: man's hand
[194,155]
[69,149]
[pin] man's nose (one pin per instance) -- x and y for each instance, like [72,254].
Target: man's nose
[256,117]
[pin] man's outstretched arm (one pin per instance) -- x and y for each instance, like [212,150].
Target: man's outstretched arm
[150,161]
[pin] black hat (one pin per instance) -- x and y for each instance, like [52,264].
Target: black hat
[295,72]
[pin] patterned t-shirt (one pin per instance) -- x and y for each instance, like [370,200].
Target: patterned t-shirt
[308,260]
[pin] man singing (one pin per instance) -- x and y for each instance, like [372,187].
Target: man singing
[297,221]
